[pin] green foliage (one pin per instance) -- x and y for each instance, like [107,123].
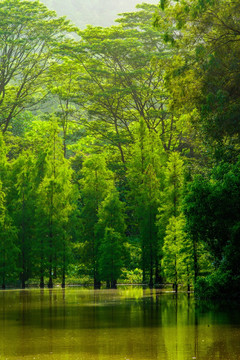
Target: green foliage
[122,79]
[110,261]
[22,206]
[8,248]
[54,206]
[131,276]
[95,184]
[145,177]
[177,253]
[207,76]
[28,34]
[212,212]
[110,236]
[176,247]
[217,286]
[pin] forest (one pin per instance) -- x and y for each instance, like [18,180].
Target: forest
[120,148]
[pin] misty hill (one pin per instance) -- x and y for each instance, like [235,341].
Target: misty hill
[93,12]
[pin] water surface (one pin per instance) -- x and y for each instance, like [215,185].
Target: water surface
[123,324]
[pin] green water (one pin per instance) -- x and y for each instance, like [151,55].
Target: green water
[126,324]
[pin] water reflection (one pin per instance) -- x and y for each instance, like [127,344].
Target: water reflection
[132,323]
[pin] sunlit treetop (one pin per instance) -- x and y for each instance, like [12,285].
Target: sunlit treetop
[28,34]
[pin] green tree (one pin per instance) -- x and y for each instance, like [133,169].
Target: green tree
[95,185]
[54,206]
[122,79]
[170,222]
[110,236]
[8,248]
[22,204]
[177,253]
[64,86]
[212,214]
[8,232]
[204,79]
[145,177]
[29,33]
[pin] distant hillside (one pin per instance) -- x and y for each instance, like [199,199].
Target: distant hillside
[93,12]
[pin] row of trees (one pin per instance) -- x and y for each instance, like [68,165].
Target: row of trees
[129,150]
[52,217]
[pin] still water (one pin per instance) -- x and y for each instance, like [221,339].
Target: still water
[123,324]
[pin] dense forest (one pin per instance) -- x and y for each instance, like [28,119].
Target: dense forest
[120,147]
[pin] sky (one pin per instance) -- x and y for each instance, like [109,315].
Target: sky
[93,12]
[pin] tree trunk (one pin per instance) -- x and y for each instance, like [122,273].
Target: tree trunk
[113,284]
[176,275]
[97,284]
[63,278]
[50,282]
[23,283]
[41,282]
[195,259]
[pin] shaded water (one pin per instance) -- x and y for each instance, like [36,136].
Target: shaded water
[133,324]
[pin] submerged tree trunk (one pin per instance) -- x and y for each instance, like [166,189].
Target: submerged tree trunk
[50,281]
[23,283]
[158,277]
[42,282]
[41,267]
[195,259]
[176,275]
[113,284]
[188,280]
[97,284]
[64,267]
[23,274]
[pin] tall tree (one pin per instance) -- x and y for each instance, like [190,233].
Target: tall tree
[204,77]
[212,214]
[110,232]
[29,33]
[23,200]
[8,232]
[54,205]
[171,221]
[121,79]
[8,248]
[95,185]
[145,176]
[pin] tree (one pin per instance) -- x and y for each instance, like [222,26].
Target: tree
[145,177]
[29,33]
[22,205]
[212,215]
[8,248]
[177,253]
[8,232]
[110,234]
[54,206]
[95,185]
[63,86]
[204,79]
[122,79]
[176,248]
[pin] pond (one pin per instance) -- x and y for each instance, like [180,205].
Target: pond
[124,324]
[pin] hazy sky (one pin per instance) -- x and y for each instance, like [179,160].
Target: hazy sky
[93,12]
